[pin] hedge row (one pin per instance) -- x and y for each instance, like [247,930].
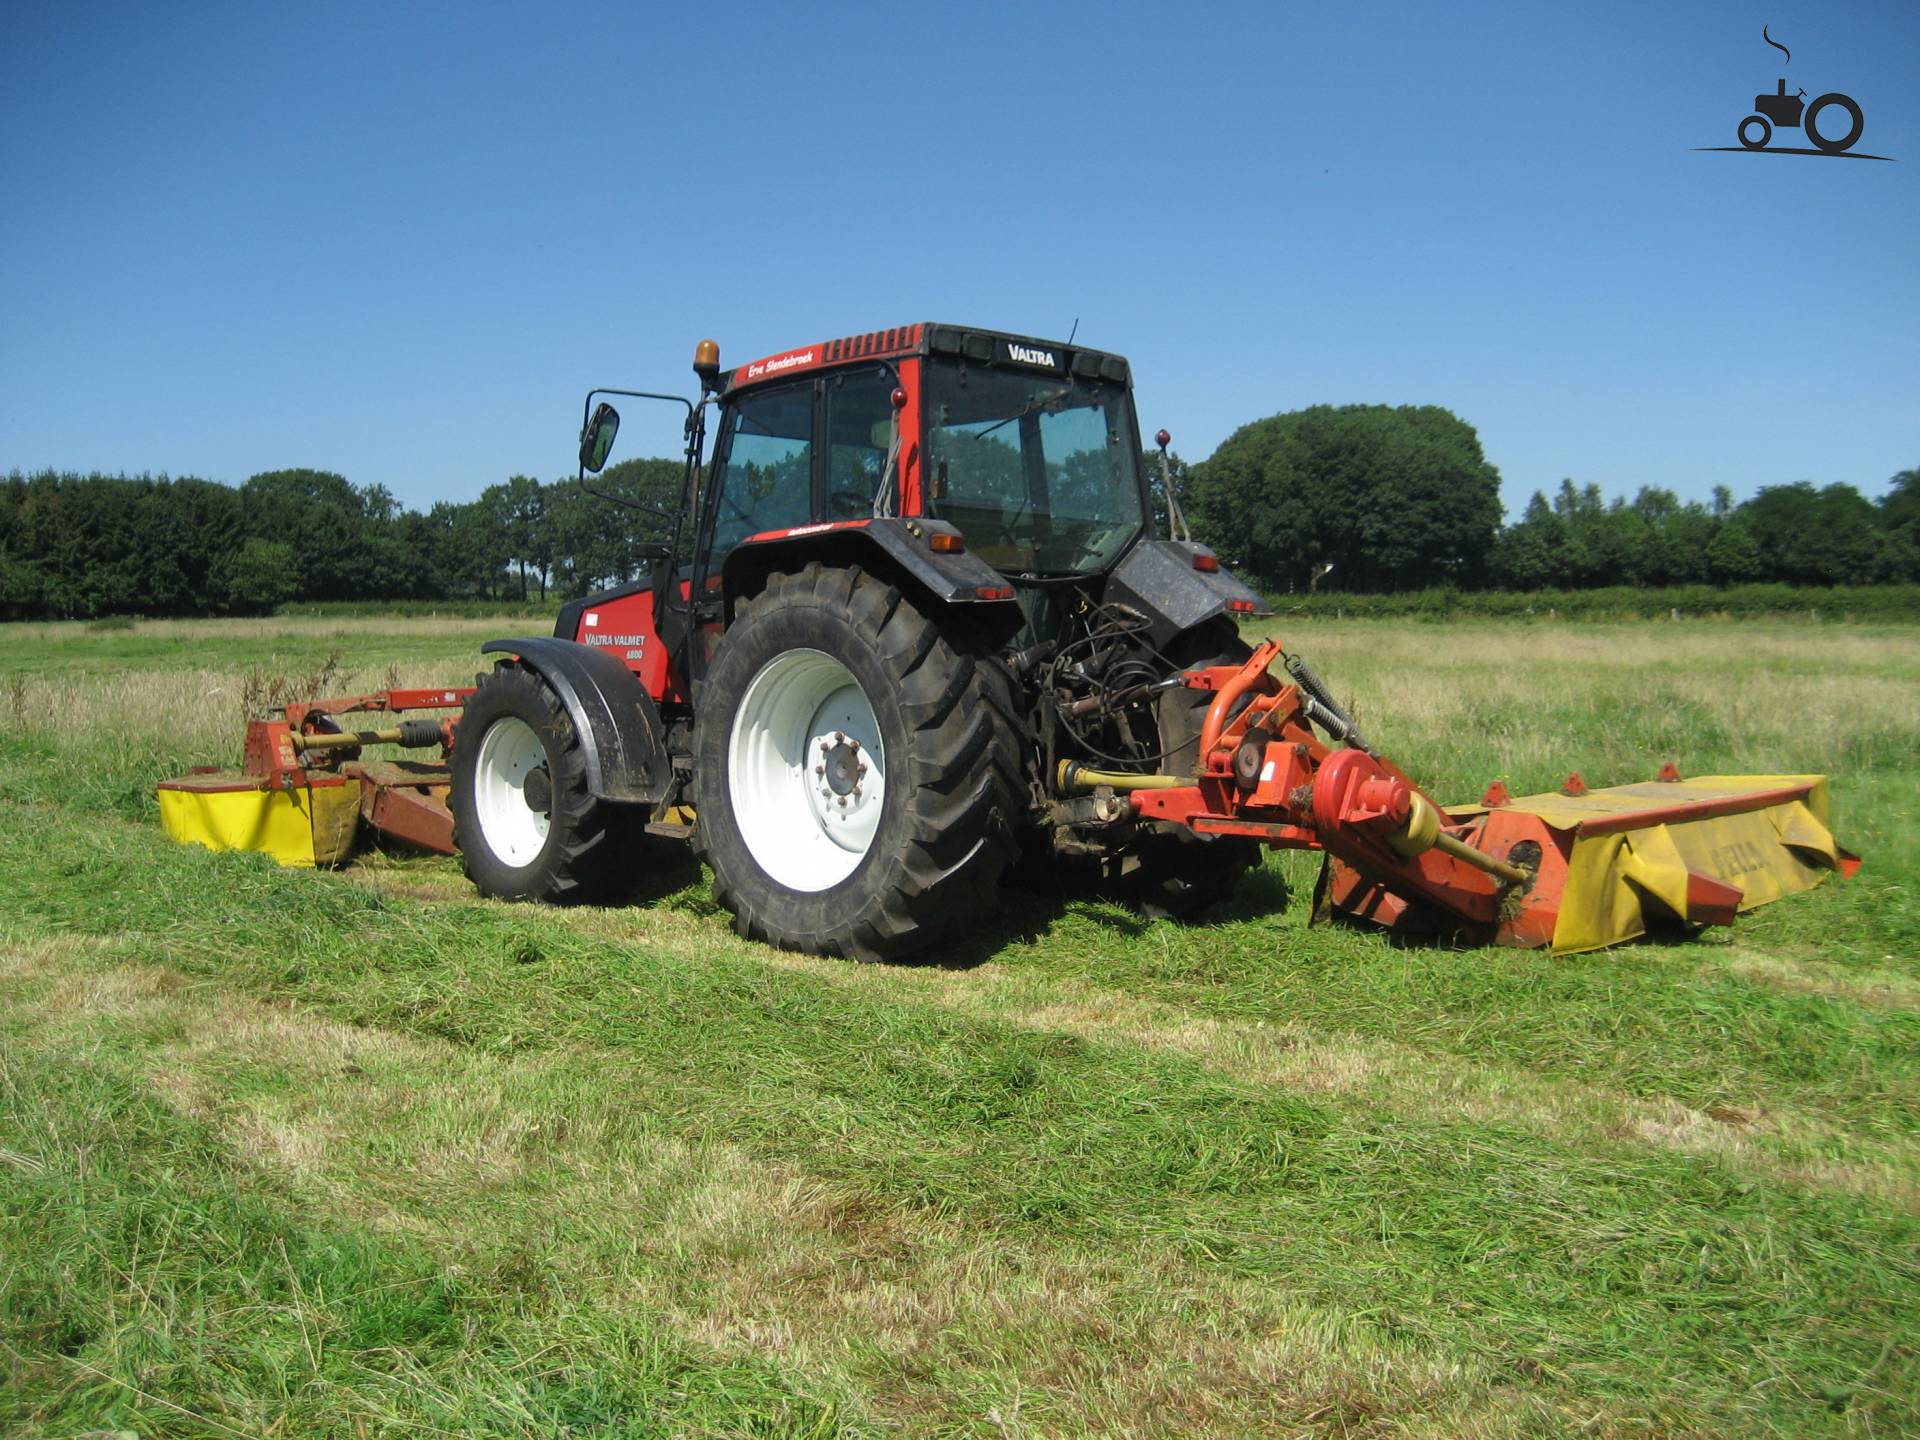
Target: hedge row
[1896,603]
[420,609]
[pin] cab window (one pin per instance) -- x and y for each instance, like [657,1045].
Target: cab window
[767,482]
[1041,472]
[859,429]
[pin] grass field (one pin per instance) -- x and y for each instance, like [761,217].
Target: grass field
[295,1154]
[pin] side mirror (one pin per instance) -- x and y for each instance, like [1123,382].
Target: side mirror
[596,441]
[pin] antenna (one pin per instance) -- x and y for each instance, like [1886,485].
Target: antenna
[1075,331]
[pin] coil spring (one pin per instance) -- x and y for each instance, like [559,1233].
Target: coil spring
[1322,708]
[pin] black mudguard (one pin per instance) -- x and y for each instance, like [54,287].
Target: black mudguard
[616,720]
[1158,578]
[951,577]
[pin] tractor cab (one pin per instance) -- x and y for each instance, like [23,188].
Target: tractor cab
[1028,449]
[980,469]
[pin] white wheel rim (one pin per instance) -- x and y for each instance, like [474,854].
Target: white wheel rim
[806,771]
[514,831]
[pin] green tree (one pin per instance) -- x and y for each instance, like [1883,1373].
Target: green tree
[519,509]
[467,549]
[1830,536]
[1900,516]
[572,520]
[1900,506]
[1530,554]
[1682,531]
[593,529]
[1394,498]
[260,575]
[1732,555]
[322,519]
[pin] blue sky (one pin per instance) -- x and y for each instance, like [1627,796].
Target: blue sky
[400,241]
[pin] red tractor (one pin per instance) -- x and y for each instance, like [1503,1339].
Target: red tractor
[913,620]
[916,579]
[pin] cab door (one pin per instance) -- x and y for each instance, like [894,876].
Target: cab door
[764,478]
[794,454]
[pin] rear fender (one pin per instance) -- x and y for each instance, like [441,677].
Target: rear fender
[1159,578]
[615,719]
[901,550]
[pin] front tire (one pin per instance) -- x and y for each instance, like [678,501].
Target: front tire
[858,771]
[526,826]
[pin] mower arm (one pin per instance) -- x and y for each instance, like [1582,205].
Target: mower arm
[1576,871]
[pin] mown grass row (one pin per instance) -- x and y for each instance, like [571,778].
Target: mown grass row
[1644,1280]
[154,1280]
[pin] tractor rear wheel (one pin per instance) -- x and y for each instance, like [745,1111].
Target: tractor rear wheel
[525,823]
[857,770]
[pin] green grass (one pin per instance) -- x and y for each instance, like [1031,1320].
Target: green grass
[160,1284]
[64,650]
[360,1153]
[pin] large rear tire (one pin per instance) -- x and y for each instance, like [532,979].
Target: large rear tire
[525,823]
[857,770]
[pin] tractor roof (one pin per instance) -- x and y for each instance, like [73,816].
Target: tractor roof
[971,343]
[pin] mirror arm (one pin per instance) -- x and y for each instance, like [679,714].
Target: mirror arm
[690,484]
[694,430]
[586,410]
[622,501]
[1176,520]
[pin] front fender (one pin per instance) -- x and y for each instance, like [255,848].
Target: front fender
[615,719]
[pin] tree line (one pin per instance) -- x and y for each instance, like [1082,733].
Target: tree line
[75,546]
[1372,499]
[1359,499]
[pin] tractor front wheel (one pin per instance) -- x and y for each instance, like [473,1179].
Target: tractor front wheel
[525,823]
[857,770]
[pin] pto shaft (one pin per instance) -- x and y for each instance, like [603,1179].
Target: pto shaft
[410,734]
[1073,776]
